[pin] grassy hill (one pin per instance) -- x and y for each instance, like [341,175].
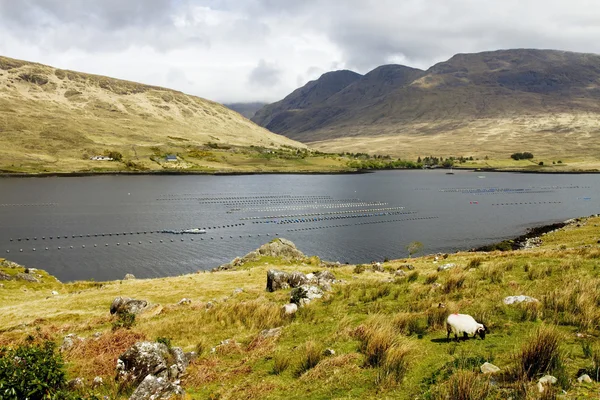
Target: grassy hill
[52,120]
[486,104]
[385,327]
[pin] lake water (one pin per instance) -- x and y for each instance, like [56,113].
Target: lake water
[346,218]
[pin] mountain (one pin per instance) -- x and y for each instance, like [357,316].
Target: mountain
[54,120]
[490,103]
[246,109]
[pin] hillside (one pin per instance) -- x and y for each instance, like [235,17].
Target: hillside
[377,332]
[485,104]
[246,109]
[52,120]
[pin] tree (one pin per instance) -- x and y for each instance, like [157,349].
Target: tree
[413,248]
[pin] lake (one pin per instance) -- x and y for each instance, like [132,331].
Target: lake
[102,227]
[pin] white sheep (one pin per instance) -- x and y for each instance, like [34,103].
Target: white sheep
[465,324]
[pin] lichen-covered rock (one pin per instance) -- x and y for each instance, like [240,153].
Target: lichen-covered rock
[5,277]
[399,274]
[279,248]
[126,304]
[489,368]
[128,277]
[180,361]
[519,299]
[69,341]
[184,301]
[75,384]
[27,277]
[97,382]
[157,388]
[277,280]
[304,294]
[445,267]
[151,358]
[273,332]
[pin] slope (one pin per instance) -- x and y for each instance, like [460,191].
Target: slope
[55,120]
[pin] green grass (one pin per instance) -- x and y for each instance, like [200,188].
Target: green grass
[389,337]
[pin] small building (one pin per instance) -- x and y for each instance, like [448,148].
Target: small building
[171,158]
[101,158]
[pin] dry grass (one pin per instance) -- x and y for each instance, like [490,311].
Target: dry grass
[540,354]
[464,385]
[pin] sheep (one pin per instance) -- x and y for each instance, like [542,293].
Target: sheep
[465,324]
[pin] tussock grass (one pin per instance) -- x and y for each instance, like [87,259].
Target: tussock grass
[311,355]
[464,385]
[395,364]
[540,354]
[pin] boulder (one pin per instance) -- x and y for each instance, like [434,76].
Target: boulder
[277,280]
[5,277]
[445,267]
[296,279]
[273,332]
[400,274]
[289,309]
[304,294]
[97,382]
[280,248]
[157,388]
[407,266]
[126,304]
[585,378]
[128,277]
[489,368]
[76,384]
[27,277]
[325,278]
[151,358]
[54,293]
[518,299]
[546,380]
[69,341]
[184,302]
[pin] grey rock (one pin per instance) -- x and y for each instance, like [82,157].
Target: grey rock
[489,368]
[445,267]
[546,380]
[277,280]
[5,277]
[156,388]
[97,382]
[27,277]
[184,301]
[191,356]
[289,309]
[295,279]
[209,305]
[280,248]
[69,341]
[126,304]
[273,332]
[180,360]
[519,299]
[325,277]
[142,359]
[585,378]
[54,293]
[128,277]
[302,295]
[400,274]
[377,266]
[237,291]
[329,352]
[75,384]
[407,266]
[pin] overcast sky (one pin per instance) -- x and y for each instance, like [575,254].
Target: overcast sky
[260,50]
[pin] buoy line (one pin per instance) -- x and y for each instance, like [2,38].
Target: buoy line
[322,213]
[362,223]
[310,206]
[329,218]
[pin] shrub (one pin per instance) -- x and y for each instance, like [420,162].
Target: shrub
[124,320]
[521,156]
[359,269]
[540,354]
[33,371]
[413,276]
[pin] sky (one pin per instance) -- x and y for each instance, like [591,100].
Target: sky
[261,50]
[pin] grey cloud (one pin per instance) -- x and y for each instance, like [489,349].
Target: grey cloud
[265,74]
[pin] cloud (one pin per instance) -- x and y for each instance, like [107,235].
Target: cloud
[250,50]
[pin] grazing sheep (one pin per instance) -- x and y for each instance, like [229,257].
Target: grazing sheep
[465,324]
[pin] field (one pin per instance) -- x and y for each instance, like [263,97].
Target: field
[385,327]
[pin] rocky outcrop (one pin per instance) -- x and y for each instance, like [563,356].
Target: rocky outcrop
[445,267]
[279,248]
[27,277]
[157,388]
[151,358]
[69,341]
[519,299]
[5,277]
[127,305]
[277,280]
[303,295]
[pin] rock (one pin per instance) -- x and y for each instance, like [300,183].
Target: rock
[445,267]
[289,309]
[69,341]
[400,274]
[209,305]
[280,248]
[407,266]
[489,368]
[1,285]
[304,294]
[126,304]
[585,378]
[325,277]
[75,384]
[191,356]
[296,279]
[329,352]
[376,266]
[97,382]
[156,388]
[237,291]
[128,277]
[54,293]
[97,335]
[151,358]
[518,299]
[27,277]
[277,280]
[273,332]
[5,277]
[546,380]
[184,301]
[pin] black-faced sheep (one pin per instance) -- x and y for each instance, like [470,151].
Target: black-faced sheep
[465,324]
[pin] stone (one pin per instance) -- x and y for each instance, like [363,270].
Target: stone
[546,380]
[296,279]
[273,332]
[97,382]
[407,266]
[209,305]
[277,280]
[289,309]
[75,384]
[191,356]
[302,295]
[181,362]
[129,277]
[585,378]
[237,291]
[156,388]
[54,293]
[126,304]
[329,352]
[400,274]
[325,277]
[518,299]
[27,277]
[376,266]
[142,359]
[445,267]
[489,368]
[69,341]
[184,301]
[5,277]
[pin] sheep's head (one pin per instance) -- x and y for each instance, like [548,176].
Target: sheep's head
[482,330]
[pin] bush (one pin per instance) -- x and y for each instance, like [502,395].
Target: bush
[521,156]
[32,371]
[124,320]
[359,269]
[540,354]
